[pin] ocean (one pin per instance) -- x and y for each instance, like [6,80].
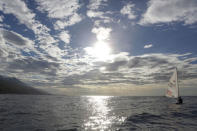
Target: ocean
[99,113]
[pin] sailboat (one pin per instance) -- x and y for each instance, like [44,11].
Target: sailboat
[173,88]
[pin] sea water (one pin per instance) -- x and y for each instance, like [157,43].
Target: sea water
[100,113]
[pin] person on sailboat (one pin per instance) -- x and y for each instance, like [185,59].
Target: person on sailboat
[179,100]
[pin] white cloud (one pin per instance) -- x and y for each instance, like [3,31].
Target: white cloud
[65,36]
[24,15]
[166,11]
[148,46]
[133,70]
[12,43]
[65,11]
[45,42]
[92,13]
[61,24]
[95,4]
[102,33]
[1,18]
[20,10]
[46,39]
[99,17]
[151,68]
[3,53]
[15,38]
[128,10]
[52,50]
[58,8]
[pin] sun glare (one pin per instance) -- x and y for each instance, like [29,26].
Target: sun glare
[101,50]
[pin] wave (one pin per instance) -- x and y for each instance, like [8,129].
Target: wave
[143,118]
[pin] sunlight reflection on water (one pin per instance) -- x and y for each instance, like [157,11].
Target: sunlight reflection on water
[100,118]
[65,113]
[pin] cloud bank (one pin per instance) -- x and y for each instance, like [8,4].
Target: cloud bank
[128,10]
[159,11]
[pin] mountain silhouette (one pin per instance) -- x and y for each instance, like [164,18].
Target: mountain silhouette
[11,85]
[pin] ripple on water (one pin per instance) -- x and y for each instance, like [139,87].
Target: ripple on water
[48,113]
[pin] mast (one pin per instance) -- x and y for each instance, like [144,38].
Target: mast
[177,84]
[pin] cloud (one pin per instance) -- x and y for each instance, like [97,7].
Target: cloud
[148,46]
[65,36]
[71,80]
[102,33]
[61,24]
[97,14]
[44,60]
[24,15]
[135,70]
[115,65]
[1,18]
[12,43]
[65,12]
[118,61]
[95,4]
[14,38]
[92,14]
[19,58]
[34,65]
[18,9]
[149,68]
[3,53]
[167,11]
[58,8]
[16,46]
[52,50]
[101,17]
[128,10]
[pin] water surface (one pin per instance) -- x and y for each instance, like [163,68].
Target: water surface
[53,113]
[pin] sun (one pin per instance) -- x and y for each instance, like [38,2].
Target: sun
[101,50]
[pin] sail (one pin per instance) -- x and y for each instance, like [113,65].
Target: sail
[173,89]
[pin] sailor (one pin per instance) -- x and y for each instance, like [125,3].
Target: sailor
[180,100]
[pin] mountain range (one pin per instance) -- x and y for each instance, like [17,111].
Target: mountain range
[12,85]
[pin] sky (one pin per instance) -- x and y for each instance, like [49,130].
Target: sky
[100,47]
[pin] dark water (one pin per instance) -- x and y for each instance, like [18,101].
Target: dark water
[66,113]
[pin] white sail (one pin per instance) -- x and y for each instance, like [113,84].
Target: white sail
[173,89]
